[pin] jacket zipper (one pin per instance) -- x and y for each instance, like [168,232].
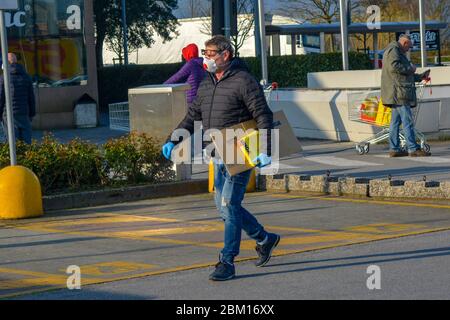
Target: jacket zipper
[216,83]
[212,104]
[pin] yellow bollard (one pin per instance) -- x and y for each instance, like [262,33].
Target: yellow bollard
[211,177]
[20,193]
[251,187]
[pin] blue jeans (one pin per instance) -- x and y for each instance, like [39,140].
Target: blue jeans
[22,128]
[402,115]
[229,193]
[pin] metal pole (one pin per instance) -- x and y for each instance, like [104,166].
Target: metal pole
[256,28]
[7,88]
[293,45]
[423,43]
[322,42]
[125,31]
[344,34]
[375,50]
[262,36]
[227,18]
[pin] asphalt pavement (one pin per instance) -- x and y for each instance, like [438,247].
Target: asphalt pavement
[166,248]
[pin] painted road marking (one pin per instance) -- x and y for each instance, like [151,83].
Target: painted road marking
[322,240]
[340,162]
[55,280]
[98,220]
[308,236]
[377,202]
[430,160]
[113,268]
[168,231]
[294,240]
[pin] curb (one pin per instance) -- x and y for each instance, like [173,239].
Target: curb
[125,194]
[357,187]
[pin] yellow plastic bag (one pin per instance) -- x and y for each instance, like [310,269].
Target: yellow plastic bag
[383,115]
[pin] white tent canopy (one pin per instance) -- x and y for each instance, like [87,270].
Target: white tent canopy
[190,31]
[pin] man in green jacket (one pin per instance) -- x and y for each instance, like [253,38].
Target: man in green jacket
[398,91]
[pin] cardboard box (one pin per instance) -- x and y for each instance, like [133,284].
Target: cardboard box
[240,143]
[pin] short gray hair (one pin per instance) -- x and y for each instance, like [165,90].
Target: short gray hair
[404,36]
[222,43]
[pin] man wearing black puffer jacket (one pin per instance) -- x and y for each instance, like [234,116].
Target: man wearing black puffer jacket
[22,100]
[229,95]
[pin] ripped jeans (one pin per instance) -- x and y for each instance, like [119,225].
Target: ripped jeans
[229,193]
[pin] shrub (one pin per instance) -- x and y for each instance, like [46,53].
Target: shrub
[136,158]
[78,165]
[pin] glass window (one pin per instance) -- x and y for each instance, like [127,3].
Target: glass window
[48,38]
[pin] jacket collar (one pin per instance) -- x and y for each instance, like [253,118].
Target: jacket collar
[235,66]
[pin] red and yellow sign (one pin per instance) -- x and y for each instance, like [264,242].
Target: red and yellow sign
[56,59]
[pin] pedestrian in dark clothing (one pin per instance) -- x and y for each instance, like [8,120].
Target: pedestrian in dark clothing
[22,100]
[192,72]
[227,96]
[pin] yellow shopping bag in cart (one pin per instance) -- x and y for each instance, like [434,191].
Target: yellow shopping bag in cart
[383,115]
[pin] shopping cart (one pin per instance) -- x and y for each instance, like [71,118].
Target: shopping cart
[368,108]
[119,116]
[270,92]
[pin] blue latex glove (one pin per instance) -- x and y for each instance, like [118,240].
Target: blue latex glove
[262,160]
[167,149]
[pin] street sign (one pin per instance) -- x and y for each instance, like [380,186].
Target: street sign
[431,39]
[9,4]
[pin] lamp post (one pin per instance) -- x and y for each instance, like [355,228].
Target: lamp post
[125,31]
[8,5]
[262,37]
[344,33]
[423,42]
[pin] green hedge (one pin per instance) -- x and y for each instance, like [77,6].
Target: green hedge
[80,165]
[292,71]
[288,71]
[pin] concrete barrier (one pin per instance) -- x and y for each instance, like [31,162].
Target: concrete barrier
[20,193]
[125,194]
[356,187]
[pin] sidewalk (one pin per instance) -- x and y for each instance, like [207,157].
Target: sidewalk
[340,159]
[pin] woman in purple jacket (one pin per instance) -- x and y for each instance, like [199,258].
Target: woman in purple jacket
[192,72]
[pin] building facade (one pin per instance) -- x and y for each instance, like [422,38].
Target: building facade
[54,40]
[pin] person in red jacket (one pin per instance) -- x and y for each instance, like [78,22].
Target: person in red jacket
[192,72]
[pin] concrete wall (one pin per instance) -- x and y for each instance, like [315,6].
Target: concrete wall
[362,79]
[322,110]
[324,114]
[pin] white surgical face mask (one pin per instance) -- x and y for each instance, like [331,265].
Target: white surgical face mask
[209,65]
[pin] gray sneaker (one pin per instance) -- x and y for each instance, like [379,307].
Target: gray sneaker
[224,271]
[265,251]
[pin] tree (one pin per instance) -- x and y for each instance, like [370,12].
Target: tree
[315,11]
[245,9]
[145,19]
[407,10]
